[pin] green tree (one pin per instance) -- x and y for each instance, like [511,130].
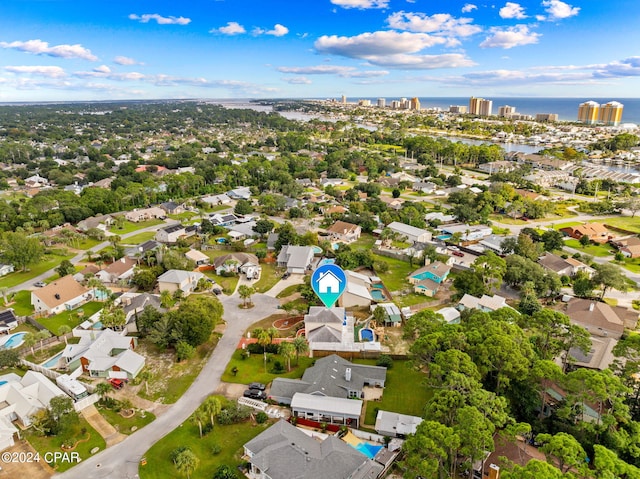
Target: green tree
[63,331]
[9,358]
[287,351]
[186,462]
[584,241]
[245,292]
[263,226]
[490,267]
[199,417]
[469,282]
[243,207]
[184,351]
[103,389]
[30,340]
[476,434]
[564,449]
[430,452]
[301,346]
[65,268]
[609,276]
[534,469]
[582,285]
[20,250]
[552,240]
[195,319]
[225,472]
[212,407]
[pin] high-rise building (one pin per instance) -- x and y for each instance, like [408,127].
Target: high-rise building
[461,109]
[480,106]
[506,111]
[546,117]
[343,99]
[415,104]
[611,113]
[364,102]
[589,112]
[382,102]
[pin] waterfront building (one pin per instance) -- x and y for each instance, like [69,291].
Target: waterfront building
[611,113]
[589,112]
[414,104]
[364,102]
[382,102]
[343,100]
[546,117]
[460,109]
[506,111]
[480,106]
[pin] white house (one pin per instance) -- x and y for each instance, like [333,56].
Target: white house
[121,269]
[5,269]
[411,233]
[170,234]
[329,283]
[60,295]
[176,279]
[297,259]
[393,424]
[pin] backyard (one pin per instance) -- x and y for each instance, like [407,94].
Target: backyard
[139,238]
[71,318]
[227,439]
[404,391]
[268,278]
[252,369]
[130,227]
[592,249]
[48,262]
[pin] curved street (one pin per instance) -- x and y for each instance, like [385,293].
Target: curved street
[121,461]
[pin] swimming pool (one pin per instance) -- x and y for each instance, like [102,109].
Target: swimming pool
[316,249]
[377,295]
[97,325]
[377,286]
[368,450]
[53,362]
[335,246]
[326,261]
[366,334]
[443,237]
[13,341]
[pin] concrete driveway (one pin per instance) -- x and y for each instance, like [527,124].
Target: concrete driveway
[121,461]
[284,283]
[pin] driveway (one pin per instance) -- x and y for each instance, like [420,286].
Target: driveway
[121,461]
[284,283]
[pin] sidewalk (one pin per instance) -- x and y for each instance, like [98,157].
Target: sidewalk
[100,424]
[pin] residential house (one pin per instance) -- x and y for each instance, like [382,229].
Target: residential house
[283,448]
[171,234]
[134,304]
[8,320]
[101,222]
[467,232]
[411,233]
[89,270]
[486,303]
[492,167]
[104,183]
[21,399]
[598,318]
[596,232]
[36,181]
[238,263]
[393,424]
[335,209]
[218,219]
[331,376]
[145,214]
[324,182]
[425,187]
[215,200]
[357,291]
[296,259]
[325,325]
[600,355]
[629,247]
[243,230]
[393,203]
[60,295]
[240,193]
[139,251]
[5,269]
[172,208]
[344,232]
[392,314]
[104,354]
[564,267]
[427,280]
[198,257]
[176,279]
[331,410]
[450,315]
[493,243]
[271,241]
[119,270]
[440,217]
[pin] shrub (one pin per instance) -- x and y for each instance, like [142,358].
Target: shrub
[233,414]
[278,367]
[216,449]
[255,348]
[261,417]
[385,361]
[184,351]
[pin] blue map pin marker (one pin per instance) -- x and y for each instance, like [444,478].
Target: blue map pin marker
[329,282]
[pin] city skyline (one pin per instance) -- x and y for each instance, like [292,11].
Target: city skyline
[56,50]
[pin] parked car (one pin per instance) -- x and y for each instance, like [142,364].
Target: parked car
[457,253]
[116,383]
[259,386]
[453,248]
[39,284]
[217,291]
[254,394]
[286,275]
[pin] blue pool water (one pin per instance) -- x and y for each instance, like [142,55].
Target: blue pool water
[335,246]
[368,450]
[53,361]
[97,325]
[316,249]
[326,261]
[378,286]
[366,334]
[377,295]
[443,237]
[14,341]
[102,295]
[3,382]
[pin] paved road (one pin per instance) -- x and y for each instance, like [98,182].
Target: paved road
[80,256]
[121,461]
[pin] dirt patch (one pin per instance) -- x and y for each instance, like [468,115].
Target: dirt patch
[394,341]
[231,390]
[32,470]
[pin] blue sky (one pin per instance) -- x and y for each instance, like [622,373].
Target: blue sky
[89,50]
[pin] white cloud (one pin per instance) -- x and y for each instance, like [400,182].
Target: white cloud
[231,28]
[512,10]
[342,71]
[160,20]
[438,24]
[120,60]
[507,78]
[558,10]
[361,4]
[298,80]
[629,67]
[278,30]
[376,44]
[541,18]
[102,69]
[39,47]
[510,37]
[469,7]
[422,62]
[367,74]
[45,71]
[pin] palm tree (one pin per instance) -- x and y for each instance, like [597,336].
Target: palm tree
[146,377]
[301,346]
[4,292]
[29,341]
[286,350]
[212,407]
[264,339]
[102,389]
[165,299]
[94,283]
[245,293]
[199,417]
[273,333]
[63,331]
[42,335]
[186,462]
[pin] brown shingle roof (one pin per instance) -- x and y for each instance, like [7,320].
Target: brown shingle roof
[120,266]
[342,227]
[60,291]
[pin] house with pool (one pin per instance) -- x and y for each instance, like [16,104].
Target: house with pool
[61,295]
[427,280]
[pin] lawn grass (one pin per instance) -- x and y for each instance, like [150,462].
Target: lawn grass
[171,379]
[22,303]
[227,283]
[229,438]
[42,355]
[87,243]
[122,424]
[252,369]
[71,318]
[56,276]
[395,279]
[288,291]
[411,299]
[568,224]
[139,238]
[592,249]
[44,444]
[404,391]
[365,241]
[624,222]
[268,278]
[632,264]
[48,262]
[187,215]
[130,227]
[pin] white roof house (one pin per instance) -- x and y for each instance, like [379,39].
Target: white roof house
[197,256]
[393,424]
[450,315]
[318,408]
[485,303]
[413,234]
[296,259]
[175,279]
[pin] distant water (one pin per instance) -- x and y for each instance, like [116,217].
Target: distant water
[566,108]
